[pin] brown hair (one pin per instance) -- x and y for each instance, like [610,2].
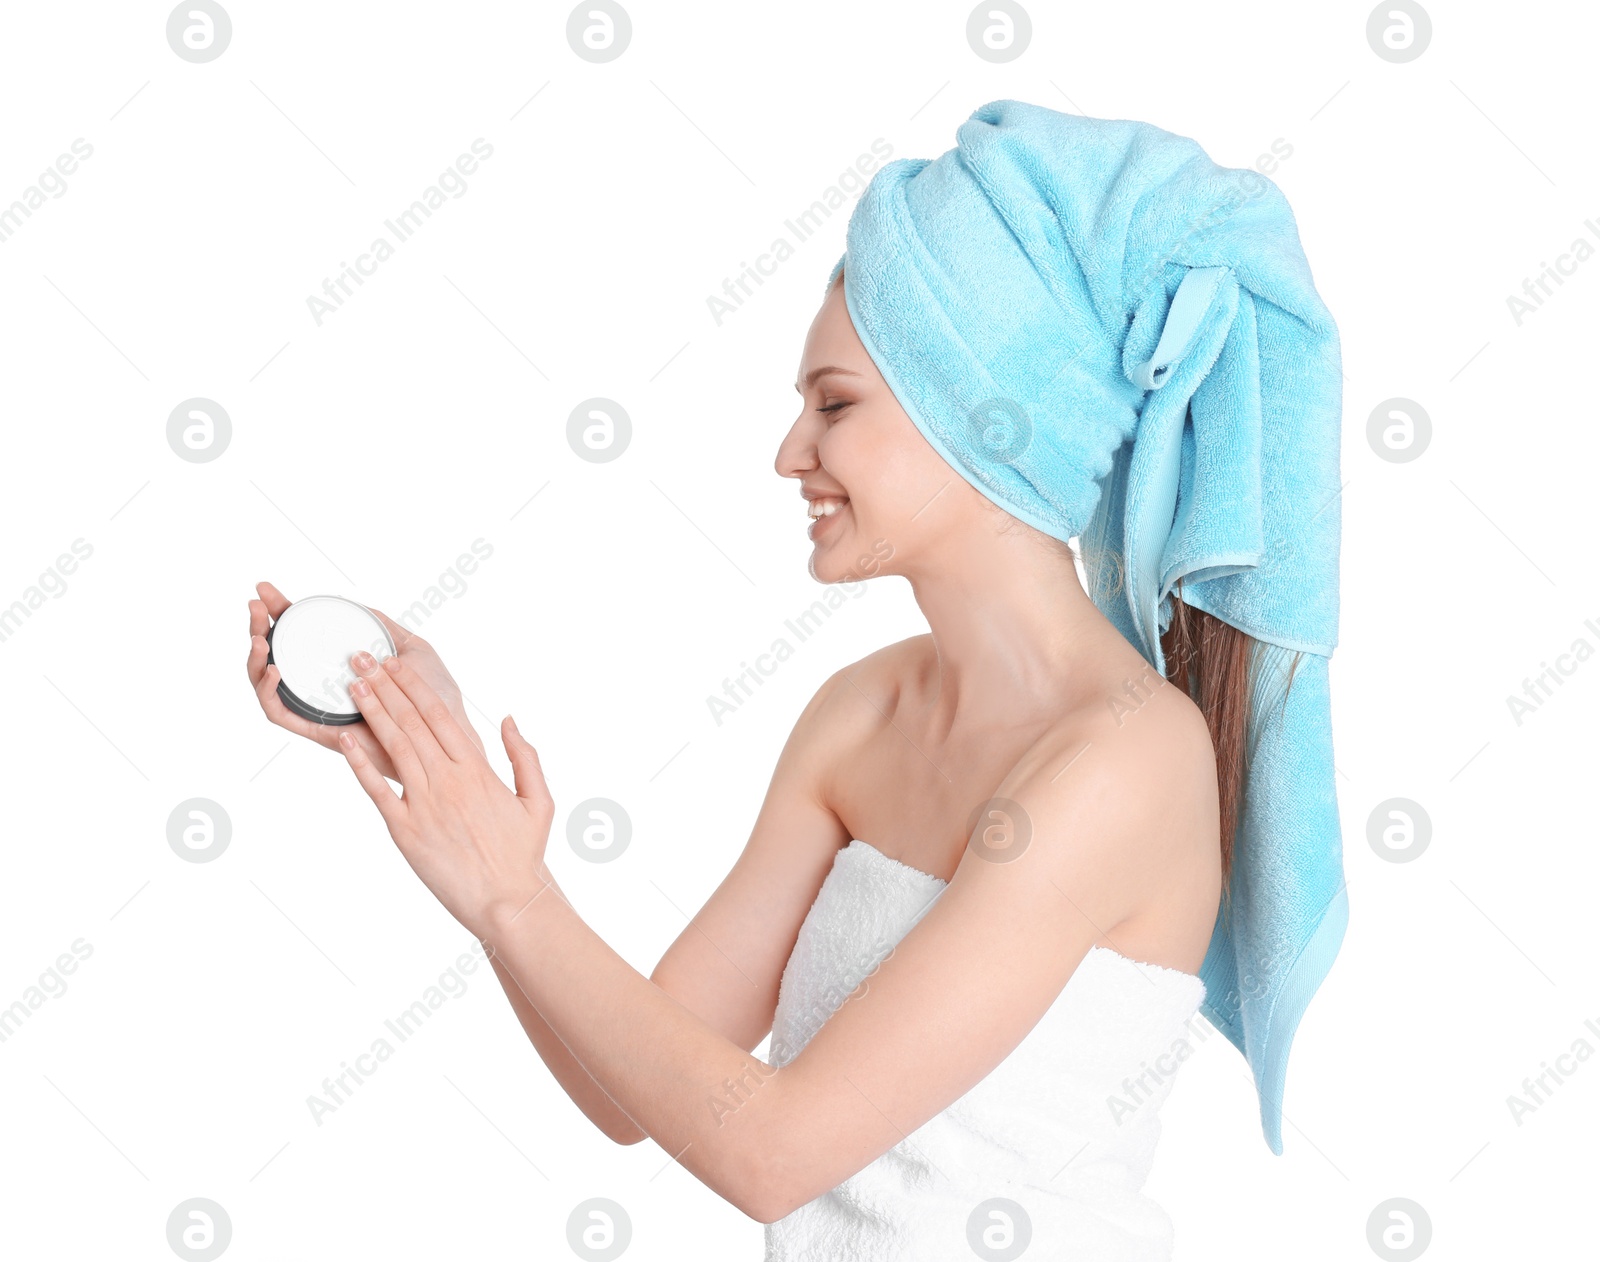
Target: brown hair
[1218,666]
[1212,661]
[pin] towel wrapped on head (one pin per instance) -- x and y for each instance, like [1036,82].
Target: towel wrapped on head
[1114,338]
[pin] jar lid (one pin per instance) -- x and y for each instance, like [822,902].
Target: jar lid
[311,643]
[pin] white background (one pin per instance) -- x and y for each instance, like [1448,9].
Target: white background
[431,411]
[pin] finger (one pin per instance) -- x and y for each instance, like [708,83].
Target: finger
[256,663]
[388,802]
[401,709]
[397,633]
[449,734]
[525,767]
[396,739]
[259,624]
[362,734]
[259,620]
[267,693]
[275,600]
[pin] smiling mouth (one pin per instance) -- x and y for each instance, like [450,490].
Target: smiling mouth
[821,512]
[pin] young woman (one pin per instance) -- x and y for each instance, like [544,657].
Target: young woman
[973,908]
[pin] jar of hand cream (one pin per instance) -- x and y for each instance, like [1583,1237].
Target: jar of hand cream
[312,643]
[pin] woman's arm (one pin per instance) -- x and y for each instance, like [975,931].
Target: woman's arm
[586,1093]
[953,1000]
[727,964]
[679,1078]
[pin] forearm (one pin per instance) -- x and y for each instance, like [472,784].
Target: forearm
[710,1104]
[585,1092]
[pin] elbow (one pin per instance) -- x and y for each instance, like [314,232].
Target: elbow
[756,1179]
[776,1172]
[764,1210]
[766,1194]
[752,1195]
[764,1207]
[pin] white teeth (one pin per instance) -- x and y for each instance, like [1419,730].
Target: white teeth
[824,508]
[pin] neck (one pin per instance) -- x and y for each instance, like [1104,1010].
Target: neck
[1016,638]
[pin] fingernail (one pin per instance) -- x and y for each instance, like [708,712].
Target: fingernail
[359,687]
[363,662]
[392,665]
[346,741]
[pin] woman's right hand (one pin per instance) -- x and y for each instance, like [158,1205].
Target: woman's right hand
[416,651]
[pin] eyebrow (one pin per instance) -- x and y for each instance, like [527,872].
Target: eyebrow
[816,373]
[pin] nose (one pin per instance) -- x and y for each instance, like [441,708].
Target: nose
[797,453]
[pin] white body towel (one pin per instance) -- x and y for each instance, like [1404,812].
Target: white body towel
[1065,1127]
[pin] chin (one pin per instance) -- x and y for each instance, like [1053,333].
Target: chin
[835,562]
[824,571]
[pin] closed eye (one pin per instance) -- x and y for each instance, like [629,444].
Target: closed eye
[834,407]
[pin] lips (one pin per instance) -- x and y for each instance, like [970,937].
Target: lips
[825,506]
[823,514]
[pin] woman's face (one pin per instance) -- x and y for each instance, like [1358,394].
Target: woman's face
[853,442]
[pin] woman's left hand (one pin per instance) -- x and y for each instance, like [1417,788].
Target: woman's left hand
[475,844]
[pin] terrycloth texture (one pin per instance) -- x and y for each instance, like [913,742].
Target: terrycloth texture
[1112,337]
[1065,1126]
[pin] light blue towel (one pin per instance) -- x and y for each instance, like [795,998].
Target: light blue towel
[1113,337]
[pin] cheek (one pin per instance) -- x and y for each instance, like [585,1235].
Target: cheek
[875,471]
[847,451]
[883,462]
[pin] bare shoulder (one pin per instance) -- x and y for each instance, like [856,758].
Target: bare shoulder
[857,699]
[841,717]
[1121,794]
[1141,727]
